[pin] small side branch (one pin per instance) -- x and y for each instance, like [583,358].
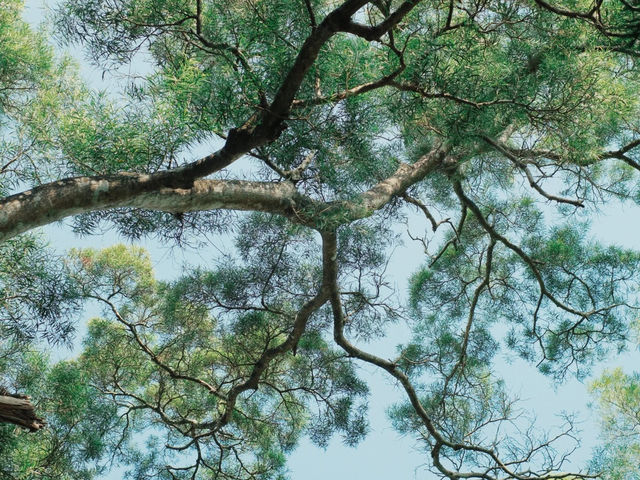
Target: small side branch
[312,16]
[415,88]
[421,206]
[530,262]
[350,92]
[621,154]
[484,284]
[372,33]
[532,181]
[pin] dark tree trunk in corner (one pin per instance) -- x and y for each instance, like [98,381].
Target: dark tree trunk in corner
[17,409]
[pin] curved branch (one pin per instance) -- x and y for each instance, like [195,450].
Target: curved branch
[163,191]
[405,176]
[375,32]
[415,88]
[532,181]
[332,24]
[440,440]
[621,154]
[55,201]
[289,344]
[421,206]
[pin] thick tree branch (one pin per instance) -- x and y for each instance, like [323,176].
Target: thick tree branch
[72,196]
[375,32]
[179,190]
[405,176]
[55,201]
[267,124]
[334,22]
[621,154]
[18,410]
[328,216]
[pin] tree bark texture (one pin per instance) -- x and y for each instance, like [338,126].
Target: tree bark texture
[18,410]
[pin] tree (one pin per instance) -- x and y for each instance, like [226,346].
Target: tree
[487,118]
[618,399]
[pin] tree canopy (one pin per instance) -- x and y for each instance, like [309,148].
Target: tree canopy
[488,131]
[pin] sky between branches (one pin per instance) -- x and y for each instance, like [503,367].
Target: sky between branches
[384,454]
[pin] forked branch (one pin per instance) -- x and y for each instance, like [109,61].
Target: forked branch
[439,441]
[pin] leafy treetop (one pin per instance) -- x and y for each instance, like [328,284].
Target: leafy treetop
[491,119]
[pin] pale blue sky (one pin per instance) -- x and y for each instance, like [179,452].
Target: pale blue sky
[385,454]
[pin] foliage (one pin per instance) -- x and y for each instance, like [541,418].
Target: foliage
[505,124]
[79,423]
[181,351]
[38,299]
[618,401]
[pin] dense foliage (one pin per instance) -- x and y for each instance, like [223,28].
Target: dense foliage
[489,131]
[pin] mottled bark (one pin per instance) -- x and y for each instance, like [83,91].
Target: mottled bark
[183,189]
[57,200]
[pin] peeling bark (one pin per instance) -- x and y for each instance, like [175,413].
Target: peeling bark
[18,410]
